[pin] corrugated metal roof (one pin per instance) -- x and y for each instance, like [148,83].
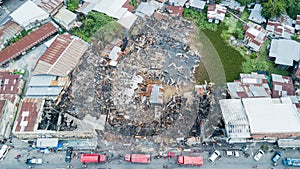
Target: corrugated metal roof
[157,94]
[61,57]
[255,14]
[27,42]
[28,114]
[235,118]
[10,83]
[45,91]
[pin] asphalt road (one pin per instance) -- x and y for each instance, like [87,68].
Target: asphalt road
[56,161]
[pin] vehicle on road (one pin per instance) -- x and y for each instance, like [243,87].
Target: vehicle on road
[214,156]
[276,157]
[3,151]
[258,155]
[138,158]
[34,161]
[232,153]
[291,162]
[190,160]
[92,158]
[69,154]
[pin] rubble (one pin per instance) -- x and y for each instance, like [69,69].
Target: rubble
[143,89]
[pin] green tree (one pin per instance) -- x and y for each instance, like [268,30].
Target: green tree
[72,5]
[273,8]
[293,8]
[244,2]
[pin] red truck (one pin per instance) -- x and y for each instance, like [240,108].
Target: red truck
[138,158]
[190,160]
[92,158]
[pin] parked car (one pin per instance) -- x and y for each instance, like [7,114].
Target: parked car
[214,156]
[232,153]
[258,155]
[34,161]
[69,154]
[276,157]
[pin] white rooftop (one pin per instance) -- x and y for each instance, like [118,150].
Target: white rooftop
[267,115]
[111,8]
[127,20]
[113,55]
[236,122]
[28,13]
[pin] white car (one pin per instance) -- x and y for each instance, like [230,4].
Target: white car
[214,156]
[232,153]
[258,155]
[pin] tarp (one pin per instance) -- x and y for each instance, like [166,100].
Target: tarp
[140,158]
[46,142]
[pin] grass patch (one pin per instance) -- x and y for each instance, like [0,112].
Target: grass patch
[230,57]
[91,24]
[245,15]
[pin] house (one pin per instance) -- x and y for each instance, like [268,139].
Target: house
[61,57]
[46,86]
[297,24]
[7,31]
[276,29]
[50,6]
[196,4]
[29,15]
[249,85]
[175,10]
[11,84]
[255,15]
[145,9]
[177,2]
[7,113]
[216,13]
[278,50]
[255,36]
[65,18]
[118,9]
[282,86]
[248,116]
[234,5]
[27,42]
[285,20]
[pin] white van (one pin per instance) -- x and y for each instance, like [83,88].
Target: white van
[214,156]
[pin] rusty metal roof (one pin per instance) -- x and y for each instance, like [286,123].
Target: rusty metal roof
[27,42]
[28,114]
[9,83]
[62,56]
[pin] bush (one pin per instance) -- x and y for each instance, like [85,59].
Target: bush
[253,56]
[72,5]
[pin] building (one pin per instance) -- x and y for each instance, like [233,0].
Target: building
[46,86]
[265,117]
[29,15]
[11,84]
[196,4]
[175,10]
[27,42]
[50,6]
[282,86]
[145,9]
[255,36]
[7,113]
[61,57]
[277,29]
[249,85]
[118,9]
[37,118]
[236,121]
[278,50]
[65,18]
[216,13]
[233,4]
[255,15]
[177,2]
[7,31]
[297,24]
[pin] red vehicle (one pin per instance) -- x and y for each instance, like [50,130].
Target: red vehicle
[138,158]
[190,160]
[92,158]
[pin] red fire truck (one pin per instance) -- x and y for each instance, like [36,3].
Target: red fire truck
[190,160]
[138,158]
[92,158]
